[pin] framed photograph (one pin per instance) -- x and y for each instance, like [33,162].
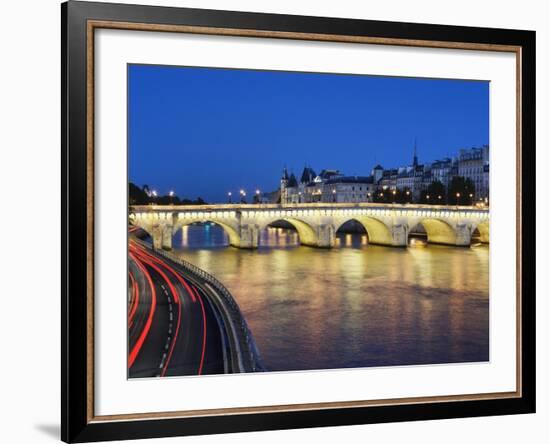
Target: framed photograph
[276,221]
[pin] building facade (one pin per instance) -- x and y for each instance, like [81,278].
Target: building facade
[443,171]
[333,186]
[327,186]
[472,164]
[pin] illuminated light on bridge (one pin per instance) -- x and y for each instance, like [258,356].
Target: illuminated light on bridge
[317,224]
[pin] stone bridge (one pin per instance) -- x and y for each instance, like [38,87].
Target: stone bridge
[318,223]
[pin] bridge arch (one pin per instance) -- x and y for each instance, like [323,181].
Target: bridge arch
[438,231]
[482,232]
[377,231]
[315,224]
[163,229]
[306,233]
[145,224]
[232,233]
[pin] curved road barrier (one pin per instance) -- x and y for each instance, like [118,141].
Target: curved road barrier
[240,353]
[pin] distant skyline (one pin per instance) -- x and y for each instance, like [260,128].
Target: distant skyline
[207,131]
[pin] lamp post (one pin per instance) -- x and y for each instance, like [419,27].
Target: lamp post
[394,192]
[457,197]
[243,196]
[408,193]
[257,196]
[229,194]
[427,198]
[171,195]
[472,199]
[333,195]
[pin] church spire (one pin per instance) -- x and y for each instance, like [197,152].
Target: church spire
[285,174]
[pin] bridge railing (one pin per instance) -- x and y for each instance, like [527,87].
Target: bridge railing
[246,341]
[317,205]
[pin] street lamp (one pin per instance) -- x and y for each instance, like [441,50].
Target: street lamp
[229,194]
[153,195]
[427,198]
[471,199]
[171,194]
[257,196]
[457,197]
[394,193]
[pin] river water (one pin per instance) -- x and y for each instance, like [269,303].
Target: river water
[356,305]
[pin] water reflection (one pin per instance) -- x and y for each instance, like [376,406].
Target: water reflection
[279,238]
[418,242]
[355,305]
[201,235]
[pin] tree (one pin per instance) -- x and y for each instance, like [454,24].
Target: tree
[404,195]
[143,196]
[136,195]
[462,191]
[397,195]
[167,200]
[435,194]
[382,195]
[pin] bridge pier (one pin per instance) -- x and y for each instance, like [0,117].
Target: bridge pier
[250,236]
[326,236]
[167,233]
[400,235]
[463,235]
[162,236]
[156,234]
[317,223]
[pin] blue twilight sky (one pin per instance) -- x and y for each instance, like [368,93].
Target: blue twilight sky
[206,131]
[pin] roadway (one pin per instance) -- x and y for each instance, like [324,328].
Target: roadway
[172,327]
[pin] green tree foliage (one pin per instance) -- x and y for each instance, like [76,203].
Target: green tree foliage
[435,194]
[462,191]
[197,201]
[399,196]
[143,196]
[136,195]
